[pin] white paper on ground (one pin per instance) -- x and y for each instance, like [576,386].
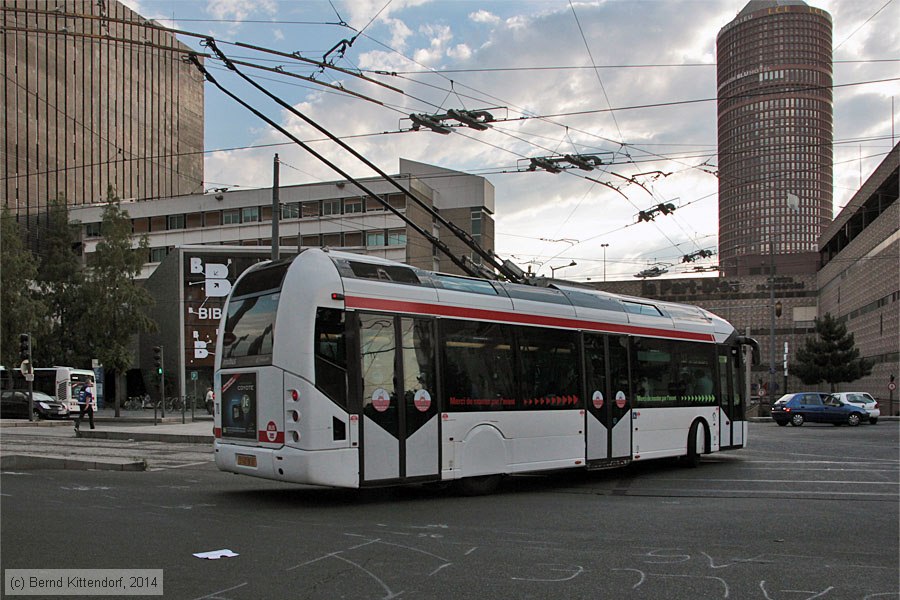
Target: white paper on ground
[214,554]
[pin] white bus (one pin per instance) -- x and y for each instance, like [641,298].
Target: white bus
[344,370]
[64,383]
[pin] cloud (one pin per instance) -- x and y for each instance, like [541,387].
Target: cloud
[439,37]
[240,9]
[361,12]
[484,16]
[510,68]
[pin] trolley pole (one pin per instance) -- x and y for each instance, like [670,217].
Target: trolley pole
[276,210]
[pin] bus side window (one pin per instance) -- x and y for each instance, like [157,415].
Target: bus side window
[331,354]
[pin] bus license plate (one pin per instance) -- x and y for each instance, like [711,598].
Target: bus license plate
[246,460]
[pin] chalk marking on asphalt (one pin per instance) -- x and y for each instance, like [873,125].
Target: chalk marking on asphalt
[578,571]
[638,571]
[390,594]
[215,595]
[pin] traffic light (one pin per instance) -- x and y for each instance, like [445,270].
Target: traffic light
[24,346]
[158,359]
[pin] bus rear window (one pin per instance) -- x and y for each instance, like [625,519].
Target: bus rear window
[263,279]
[249,331]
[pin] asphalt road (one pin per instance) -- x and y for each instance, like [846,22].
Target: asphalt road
[803,513]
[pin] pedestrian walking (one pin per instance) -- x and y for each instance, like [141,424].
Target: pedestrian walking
[210,400]
[85,405]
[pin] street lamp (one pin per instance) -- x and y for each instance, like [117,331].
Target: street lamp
[554,269]
[604,246]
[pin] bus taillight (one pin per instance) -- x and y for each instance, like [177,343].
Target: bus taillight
[295,395]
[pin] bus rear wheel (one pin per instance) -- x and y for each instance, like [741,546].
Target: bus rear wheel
[479,486]
[696,444]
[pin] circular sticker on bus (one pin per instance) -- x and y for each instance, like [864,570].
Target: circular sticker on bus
[598,399]
[422,400]
[620,399]
[271,431]
[381,400]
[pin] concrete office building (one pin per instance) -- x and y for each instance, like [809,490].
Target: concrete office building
[94,97]
[774,70]
[333,214]
[859,280]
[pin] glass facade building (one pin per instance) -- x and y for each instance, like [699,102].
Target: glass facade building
[775,131]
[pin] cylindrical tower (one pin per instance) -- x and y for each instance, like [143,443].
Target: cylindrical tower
[775,115]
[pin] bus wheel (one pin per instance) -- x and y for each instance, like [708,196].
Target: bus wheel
[696,443]
[479,486]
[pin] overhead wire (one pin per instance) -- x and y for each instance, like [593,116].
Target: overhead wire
[563,114]
[440,245]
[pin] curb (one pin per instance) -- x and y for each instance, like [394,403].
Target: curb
[184,438]
[126,420]
[30,462]
[24,423]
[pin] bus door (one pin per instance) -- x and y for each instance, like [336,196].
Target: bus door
[731,415]
[400,424]
[608,397]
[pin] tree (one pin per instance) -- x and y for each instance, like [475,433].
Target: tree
[116,304]
[61,280]
[21,311]
[831,356]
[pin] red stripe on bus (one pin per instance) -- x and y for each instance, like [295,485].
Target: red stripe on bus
[424,308]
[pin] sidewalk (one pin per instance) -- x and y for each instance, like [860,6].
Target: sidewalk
[130,425]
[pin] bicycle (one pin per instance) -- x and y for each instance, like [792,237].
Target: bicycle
[138,403]
[174,403]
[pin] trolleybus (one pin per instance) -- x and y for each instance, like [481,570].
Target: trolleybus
[344,370]
[63,383]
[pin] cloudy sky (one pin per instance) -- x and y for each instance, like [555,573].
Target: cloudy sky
[552,71]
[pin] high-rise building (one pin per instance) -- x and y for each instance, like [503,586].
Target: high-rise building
[775,137]
[94,95]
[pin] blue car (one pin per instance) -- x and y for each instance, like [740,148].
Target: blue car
[816,407]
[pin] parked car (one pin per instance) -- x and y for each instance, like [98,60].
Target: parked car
[14,405]
[816,407]
[861,399]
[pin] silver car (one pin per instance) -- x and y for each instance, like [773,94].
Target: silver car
[861,399]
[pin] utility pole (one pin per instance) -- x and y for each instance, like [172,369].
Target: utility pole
[784,391]
[771,319]
[276,210]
